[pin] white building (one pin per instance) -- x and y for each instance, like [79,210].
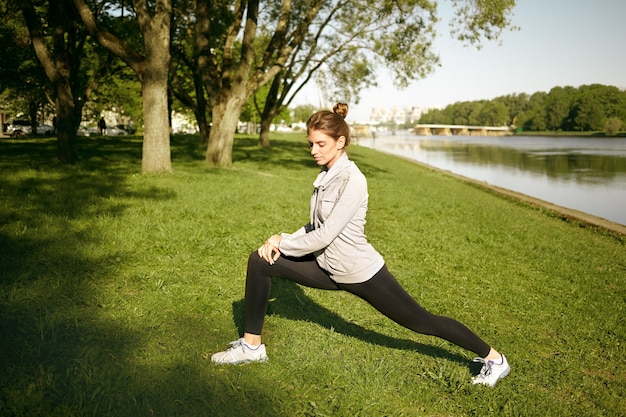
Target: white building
[397,115]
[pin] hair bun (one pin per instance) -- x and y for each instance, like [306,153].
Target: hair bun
[341,109]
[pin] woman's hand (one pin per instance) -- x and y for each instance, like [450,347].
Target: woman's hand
[270,250]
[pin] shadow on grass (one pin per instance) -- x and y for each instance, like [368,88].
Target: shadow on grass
[290,302]
[291,154]
[284,153]
[64,349]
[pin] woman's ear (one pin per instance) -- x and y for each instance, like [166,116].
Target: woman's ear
[341,142]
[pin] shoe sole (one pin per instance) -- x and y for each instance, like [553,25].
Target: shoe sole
[242,362]
[505,373]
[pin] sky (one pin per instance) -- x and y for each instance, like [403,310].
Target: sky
[559,43]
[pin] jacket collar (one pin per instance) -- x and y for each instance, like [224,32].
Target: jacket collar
[326,175]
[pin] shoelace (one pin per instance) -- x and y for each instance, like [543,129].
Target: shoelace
[236,344]
[240,344]
[486,369]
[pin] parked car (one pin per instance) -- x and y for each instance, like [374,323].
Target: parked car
[18,128]
[82,131]
[115,131]
[128,128]
[45,130]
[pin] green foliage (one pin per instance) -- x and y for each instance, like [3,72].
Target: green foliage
[586,108]
[118,91]
[301,113]
[23,83]
[93,77]
[613,126]
[116,287]
[493,114]
[559,101]
[254,107]
[481,19]
[586,114]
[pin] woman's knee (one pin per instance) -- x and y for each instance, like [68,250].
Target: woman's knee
[256,263]
[254,258]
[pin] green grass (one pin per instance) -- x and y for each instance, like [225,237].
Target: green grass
[116,287]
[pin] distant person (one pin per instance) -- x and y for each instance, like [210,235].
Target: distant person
[102,126]
[331,252]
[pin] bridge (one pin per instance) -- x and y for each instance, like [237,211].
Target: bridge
[450,130]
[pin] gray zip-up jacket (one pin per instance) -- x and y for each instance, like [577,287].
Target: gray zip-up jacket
[335,234]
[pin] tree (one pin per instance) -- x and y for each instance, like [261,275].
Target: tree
[227,67]
[558,103]
[515,104]
[253,109]
[187,84]
[302,112]
[534,118]
[152,68]
[613,126]
[23,82]
[586,114]
[60,48]
[611,100]
[465,113]
[493,113]
[241,46]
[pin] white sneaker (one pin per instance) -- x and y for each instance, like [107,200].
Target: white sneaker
[491,371]
[240,352]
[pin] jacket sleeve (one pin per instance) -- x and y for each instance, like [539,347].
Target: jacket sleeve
[301,231]
[342,212]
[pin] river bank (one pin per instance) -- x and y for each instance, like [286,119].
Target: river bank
[570,134]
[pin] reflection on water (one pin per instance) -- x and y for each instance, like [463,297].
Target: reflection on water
[585,174]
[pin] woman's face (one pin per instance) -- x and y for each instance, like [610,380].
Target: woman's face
[325,149]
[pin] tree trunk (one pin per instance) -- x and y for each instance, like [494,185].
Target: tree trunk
[201,110]
[66,124]
[225,118]
[33,106]
[270,110]
[60,72]
[204,128]
[156,141]
[264,136]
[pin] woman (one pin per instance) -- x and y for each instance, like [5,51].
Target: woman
[331,252]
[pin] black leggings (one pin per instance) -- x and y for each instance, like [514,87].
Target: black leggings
[382,291]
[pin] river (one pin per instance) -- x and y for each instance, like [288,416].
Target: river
[584,174]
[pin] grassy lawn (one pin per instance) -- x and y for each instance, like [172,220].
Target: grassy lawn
[116,287]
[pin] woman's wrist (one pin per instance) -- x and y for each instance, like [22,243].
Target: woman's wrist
[274,240]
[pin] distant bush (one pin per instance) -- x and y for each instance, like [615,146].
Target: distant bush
[612,126]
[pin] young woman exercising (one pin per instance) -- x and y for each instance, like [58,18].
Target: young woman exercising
[332,253]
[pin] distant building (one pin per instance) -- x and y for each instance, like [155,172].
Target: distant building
[397,115]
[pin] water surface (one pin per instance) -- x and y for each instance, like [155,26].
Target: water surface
[584,174]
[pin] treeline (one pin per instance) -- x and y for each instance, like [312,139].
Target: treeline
[592,107]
